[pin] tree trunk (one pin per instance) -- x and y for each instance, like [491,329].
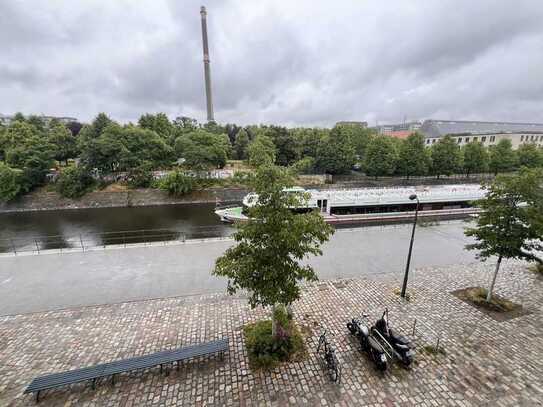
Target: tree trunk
[276,307]
[489,294]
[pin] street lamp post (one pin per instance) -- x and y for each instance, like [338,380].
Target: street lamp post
[406,275]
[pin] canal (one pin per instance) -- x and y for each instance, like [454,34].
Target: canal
[22,231]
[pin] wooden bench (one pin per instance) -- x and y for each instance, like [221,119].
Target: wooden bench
[125,365]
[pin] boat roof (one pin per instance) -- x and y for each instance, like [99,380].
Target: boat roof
[393,195]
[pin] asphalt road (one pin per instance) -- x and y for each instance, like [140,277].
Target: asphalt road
[53,281]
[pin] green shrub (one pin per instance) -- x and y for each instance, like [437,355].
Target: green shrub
[10,183]
[266,351]
[177,183]
[74,182]
[140,177]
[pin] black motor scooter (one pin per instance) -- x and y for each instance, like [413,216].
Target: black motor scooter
[368,343]
[399,343]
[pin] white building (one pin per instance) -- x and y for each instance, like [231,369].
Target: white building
[488,133]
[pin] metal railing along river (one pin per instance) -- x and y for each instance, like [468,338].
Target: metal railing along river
[84,241]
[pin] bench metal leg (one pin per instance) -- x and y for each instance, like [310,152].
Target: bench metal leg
[178,362]
[160,368]
[113,380]
[94,384]
[38,396]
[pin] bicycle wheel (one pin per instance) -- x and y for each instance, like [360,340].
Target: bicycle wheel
[335,371]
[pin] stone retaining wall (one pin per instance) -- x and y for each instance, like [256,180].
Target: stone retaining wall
[40,200]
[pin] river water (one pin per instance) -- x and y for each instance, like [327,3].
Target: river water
[41,230]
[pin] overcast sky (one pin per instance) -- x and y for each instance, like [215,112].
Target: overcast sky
[273,61]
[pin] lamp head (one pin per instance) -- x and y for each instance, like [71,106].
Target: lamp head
[413,197]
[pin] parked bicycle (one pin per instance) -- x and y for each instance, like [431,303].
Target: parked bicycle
[332,363]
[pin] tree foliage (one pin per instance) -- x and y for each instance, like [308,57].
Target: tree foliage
[529,155]
[159,123]
[475,158]
[240,145]
[412,157]
[511,222]
[502,157]
[202,150]
[10,184]
[64,143]
[177,183]
[73,182]
[336,153]
[261,151]
[381,157]
[122,148]
[446,157]
[270,246]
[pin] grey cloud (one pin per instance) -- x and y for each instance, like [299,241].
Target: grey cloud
[296,63]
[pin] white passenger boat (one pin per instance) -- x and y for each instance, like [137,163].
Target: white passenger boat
[366,204]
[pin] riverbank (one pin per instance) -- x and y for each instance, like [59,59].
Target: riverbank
[45,201]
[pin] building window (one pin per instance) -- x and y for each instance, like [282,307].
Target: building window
[459,140]
[522,138]
[467,139]
[483,139]
[433,141]
[474,138]
[427,141]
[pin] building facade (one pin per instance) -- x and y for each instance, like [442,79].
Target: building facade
[487,133]
[352,123]
[7,119]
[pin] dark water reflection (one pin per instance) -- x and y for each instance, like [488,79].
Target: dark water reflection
[94,227]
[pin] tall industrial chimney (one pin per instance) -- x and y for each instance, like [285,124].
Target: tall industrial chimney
[207,72]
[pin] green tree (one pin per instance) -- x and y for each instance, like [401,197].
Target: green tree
[446,157]
[261,151]
[241,144]
[19,117]
[286,146]
[310,140]
[510,225]
[65,144]
[412,157]
[502,157]
[141,176]
[10,183]
[336,153]
[381,157]
[529,155]
[34,156]
[202,150]
[38,122]
[475,158]
[122,148]
[159,123]
[99,124]
[74,182]
[272,243]
[177,183]
[184,125]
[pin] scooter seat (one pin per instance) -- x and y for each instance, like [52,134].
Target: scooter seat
[400,339]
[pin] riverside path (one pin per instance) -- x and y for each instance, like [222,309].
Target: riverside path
[32,283]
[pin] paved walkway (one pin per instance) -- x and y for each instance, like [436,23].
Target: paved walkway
[53,281]
[488,363]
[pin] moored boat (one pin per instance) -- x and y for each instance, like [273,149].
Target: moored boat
[376,204]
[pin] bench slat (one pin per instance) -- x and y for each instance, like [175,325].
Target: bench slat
[124,365]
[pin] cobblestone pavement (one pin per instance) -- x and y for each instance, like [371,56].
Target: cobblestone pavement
[487,362]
